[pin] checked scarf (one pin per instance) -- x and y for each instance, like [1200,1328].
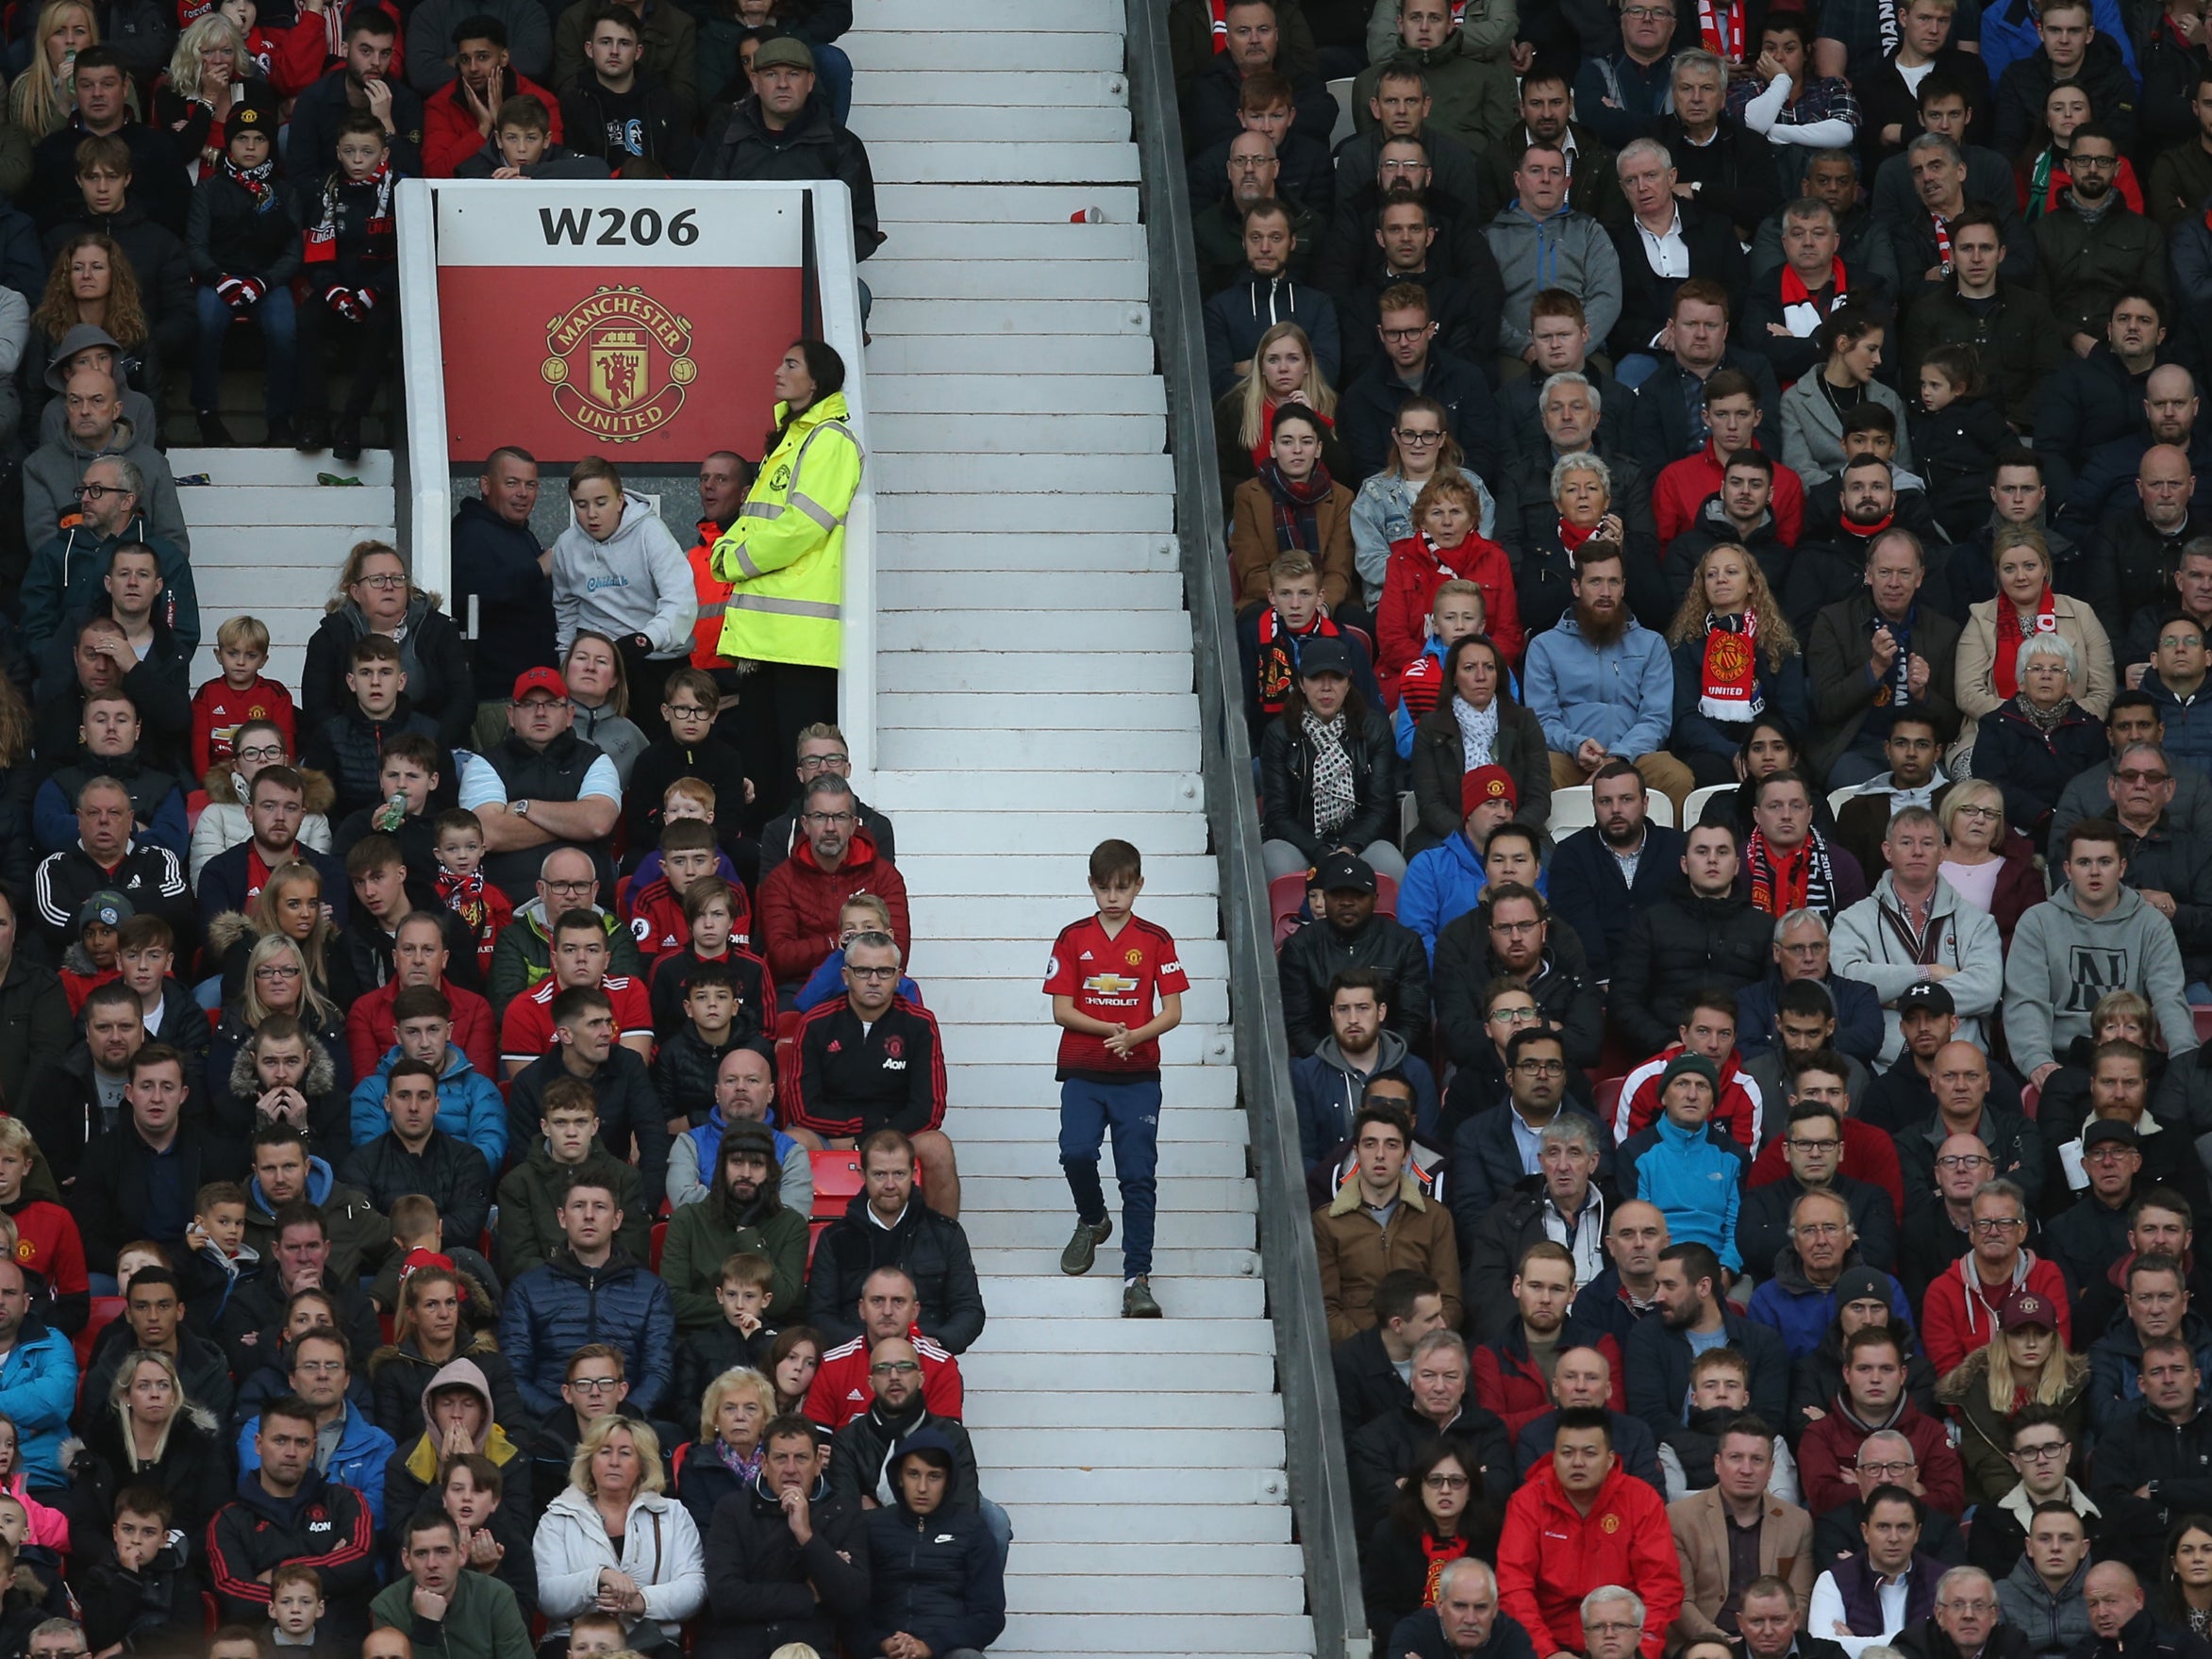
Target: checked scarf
[1294,501]
[1783,883]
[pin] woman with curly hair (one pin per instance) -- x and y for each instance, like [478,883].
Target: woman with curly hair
[91,282]
[1735,658]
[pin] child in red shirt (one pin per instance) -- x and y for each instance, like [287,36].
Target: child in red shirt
[654,911]
[46,1239]
[241,694]
[95,959]
[458,848]
[1104,973]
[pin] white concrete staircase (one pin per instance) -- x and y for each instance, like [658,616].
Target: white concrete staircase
[268,540]
[1035,675]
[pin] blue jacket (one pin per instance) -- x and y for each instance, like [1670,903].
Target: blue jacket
[551,1311]
[1859,1030]
[38,1389]
[1442,884]
[1327,1094]
[1696,1179]
[363,1450]
[2008,34]
[1788,1303]
[469,1106]
[1586,891]
[1622,694]
[64,579]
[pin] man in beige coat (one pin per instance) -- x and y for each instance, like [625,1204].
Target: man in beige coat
[1743,1464]
[1381,1220]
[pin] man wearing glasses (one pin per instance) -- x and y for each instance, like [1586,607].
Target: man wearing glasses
[1960,1079]
[2167,871]
[539,786]
[1623,95]
[1885,1458]
[349,1449]
[568,880]
[1494,1152]
[1873,1400]
[96,427]
[1812,1145]
[823,752]
[2040,1457]
[64,574]
[2175,682]
[1959,1313]
[800,900]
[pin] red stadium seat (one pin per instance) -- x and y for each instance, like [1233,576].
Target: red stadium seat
[1386,895]
[659,1242]
[788,1021]
[1286,897]
[210,1613]
[2204,1019]
[2030,1098]
[837,1181]
[106,1311]
[814,1232]
[1608,1101]
[387,1325]
[195,803]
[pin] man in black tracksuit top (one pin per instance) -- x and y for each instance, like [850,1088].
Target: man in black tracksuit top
[285,1511]
[870,1060]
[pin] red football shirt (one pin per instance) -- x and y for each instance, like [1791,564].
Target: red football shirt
[527,1031]
[841,1390]
[1118,978]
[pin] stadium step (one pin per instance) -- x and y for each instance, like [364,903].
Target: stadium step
[1034,698]
[251,522]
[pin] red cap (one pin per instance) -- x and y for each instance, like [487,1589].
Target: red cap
[1487,783]
[541,679]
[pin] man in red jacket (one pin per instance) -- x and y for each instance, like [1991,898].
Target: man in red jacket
[1512,1376]
[1582,1521]
[1732,416]
[802,896]
[459,118]
[1959,1312]
[1872,1402]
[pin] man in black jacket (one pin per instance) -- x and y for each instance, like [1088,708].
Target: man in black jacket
[1593,890]
[139,1179]
[1658,218]
[1464,308]
[496,564]
[102,84]
[1376,1458]
[1513,933]
[363,81]
[1729,169]
[286,1512]
[784,132]
[1371,1367]
[1404,167]
[2139,542]
[1349,934]
[1704,936]
[108,858]
[1464,1623]
[415,1155]
[2089,400]
[1412,365]
[862,1453]
[822,752]
[616,110]
[1562,1202]
[1689,1287]
[788,1557]
[886,1225]
[2155,1461]
[2072,53]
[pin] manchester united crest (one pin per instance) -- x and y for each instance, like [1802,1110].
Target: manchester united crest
[1730,655]
[619,364]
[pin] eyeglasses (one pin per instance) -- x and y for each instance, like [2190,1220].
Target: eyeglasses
[692,709]
[1514,930]
[1984,1607]
[872,972]
[893,1367]
[266,752]
[1989,1227]
[1416,438]
[319,1368]
[823,820]
[384,584]
[1542,1067]
[594,1385]
[275,970]
[1400,336]
[1887,1471]
[1804,1145]
[1963,1161]
[1611,1627]
[1983,813]
[2135,774]
[1516,1016]
[99,492]
[1443,1482]
[2042,1454]
[1647,13]
[821,762]
[1819,1229]
[572,886]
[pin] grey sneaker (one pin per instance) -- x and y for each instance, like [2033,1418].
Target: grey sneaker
[1137,1303]
[1083,1249]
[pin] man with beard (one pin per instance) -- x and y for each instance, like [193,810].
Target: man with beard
[1600,882]
[1350,934]
[1914,753]
[1693,1317]
[1603,685]
[459,116]
[1918,236]
[2171,409]
[363,81]
[1863,500]
[1217,229]
[1547,117]
[1263,294]
[2091,244]
[1878,652]
[2091,399]
[2007,322]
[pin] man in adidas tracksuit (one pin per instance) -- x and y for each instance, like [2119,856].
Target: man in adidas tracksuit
[285,1511]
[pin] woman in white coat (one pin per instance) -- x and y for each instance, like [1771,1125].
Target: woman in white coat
[614,1542]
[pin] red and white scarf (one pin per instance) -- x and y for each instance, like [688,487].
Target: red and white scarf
[1278,655]
[2010,635]
[1781,883]
[1801,313]
[1942,240]
[1719,27]
[1728,685]
[321,237]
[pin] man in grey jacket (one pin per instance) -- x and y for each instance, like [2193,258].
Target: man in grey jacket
[96,427]
[2095,934]
[1542,243]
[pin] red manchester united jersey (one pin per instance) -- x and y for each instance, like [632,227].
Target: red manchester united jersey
[1117,978]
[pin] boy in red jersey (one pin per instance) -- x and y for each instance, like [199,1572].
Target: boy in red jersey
[1105,974]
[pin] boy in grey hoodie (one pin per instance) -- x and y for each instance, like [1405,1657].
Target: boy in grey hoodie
[2094,936]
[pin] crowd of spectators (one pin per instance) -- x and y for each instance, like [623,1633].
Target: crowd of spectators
[1723,525]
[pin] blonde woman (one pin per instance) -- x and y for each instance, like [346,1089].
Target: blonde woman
[2024,607]
[208,75]
[151,1432]
[275,978]
[1283,371]
[728,1454]
[375,595]
[1421,446]
[1734,659]
[614,1542]
[2025,1363]
[1987,862]
[42,104]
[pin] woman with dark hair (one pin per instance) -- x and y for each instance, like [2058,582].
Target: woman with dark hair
[1479,724]
[1439,1516]
[1328,771]
[1769,745]
[2185,1582]
[1293,505]
[599,692]
[791,1363]
[1813,410]
[785,558]
[1734,657]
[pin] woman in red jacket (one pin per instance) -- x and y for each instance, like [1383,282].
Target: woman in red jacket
[1445,547]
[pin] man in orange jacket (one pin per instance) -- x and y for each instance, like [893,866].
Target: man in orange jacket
[1578,1522]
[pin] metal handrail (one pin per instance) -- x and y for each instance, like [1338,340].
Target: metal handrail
[1320,1495]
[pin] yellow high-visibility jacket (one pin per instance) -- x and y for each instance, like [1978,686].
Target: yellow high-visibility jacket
[785,554]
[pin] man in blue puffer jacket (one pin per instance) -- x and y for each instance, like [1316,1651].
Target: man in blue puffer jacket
[590,1292]
[320,1376]
[38,1382]
[1694,1172]
[932,1572]
[469,1105]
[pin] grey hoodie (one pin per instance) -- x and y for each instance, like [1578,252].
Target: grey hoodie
[638,581]
[1567,249]
[2062,961]
[53,471]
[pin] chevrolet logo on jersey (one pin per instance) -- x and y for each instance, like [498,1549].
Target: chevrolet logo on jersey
[1109,985]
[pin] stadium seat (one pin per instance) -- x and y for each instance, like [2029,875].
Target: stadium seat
[1386,895]
[106,1311]
[1573,809]
[1608,1101]
[836,1182]
[195,803]
[2030,1098]
[660,1243]
[2202,1016]
[814,1231]
[1693,808]
[1286,897]
[1658,809]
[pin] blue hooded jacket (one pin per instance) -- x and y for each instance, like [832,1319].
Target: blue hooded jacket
[1442,884]
[1695,1177]
[38,1390]
[363,1450]
[469,1106]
